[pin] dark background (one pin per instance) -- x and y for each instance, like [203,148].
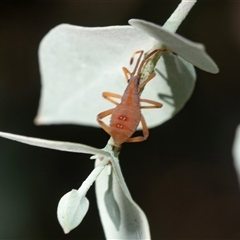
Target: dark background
[182,176]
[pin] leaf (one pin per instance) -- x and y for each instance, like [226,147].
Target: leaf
[192,52]
[78,64]
[121,217]
[56,145]
[173,85]
[73,206]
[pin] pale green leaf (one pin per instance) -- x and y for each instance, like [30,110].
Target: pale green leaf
[56,145]
[73,206]
[121,217]
[192,52]
[74,76]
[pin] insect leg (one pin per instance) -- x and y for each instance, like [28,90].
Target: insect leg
[103,115]
[147,58]
[144,128]
[154,104]
[145,132]
[126,72]
[109,96]
[138,61]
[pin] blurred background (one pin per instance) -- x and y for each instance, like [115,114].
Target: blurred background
[182,176]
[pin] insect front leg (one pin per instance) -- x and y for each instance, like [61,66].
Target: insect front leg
[102,115]
[145,132]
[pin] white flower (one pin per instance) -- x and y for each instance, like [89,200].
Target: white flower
[78,63]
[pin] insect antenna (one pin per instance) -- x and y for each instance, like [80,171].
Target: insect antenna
[138,61]
[145,60]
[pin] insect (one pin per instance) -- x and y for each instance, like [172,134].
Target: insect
[126,116]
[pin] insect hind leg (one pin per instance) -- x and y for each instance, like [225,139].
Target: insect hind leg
[144,130]
[154,104]
[102,115]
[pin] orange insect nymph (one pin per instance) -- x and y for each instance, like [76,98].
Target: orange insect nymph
[127,114]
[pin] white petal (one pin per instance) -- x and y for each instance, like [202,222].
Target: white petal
[73,206]
[120,215]
[190,51]
[172,86]
[179,15]
[236,153]
[56,145]
[77,64]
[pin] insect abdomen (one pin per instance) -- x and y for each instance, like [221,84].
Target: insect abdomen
[122,126]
